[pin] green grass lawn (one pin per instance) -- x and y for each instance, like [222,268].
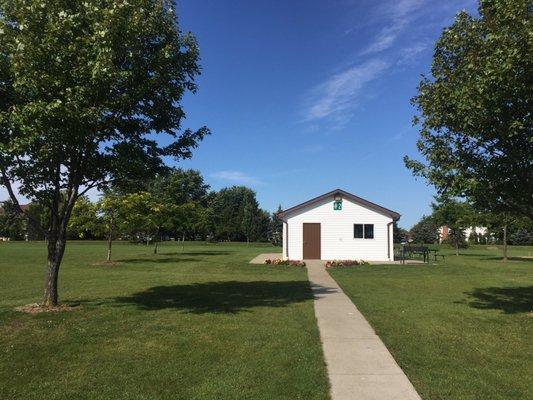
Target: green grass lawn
[460,329]
[198,323]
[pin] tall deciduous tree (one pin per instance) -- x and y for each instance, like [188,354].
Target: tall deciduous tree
[276,227]
[179,186]
[248,218]
[84,222]
[85,87]
[475,110]
[399,235]
[425,231]
[228,206]
[457,216]
[111,211]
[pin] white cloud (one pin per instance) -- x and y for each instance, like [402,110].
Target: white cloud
[338,95]
[237,177]
[398,14]
[409,54]
[384,39]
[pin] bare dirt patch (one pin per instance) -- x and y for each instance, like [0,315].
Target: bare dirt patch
[35,308]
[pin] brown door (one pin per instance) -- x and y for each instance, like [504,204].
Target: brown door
[311,241]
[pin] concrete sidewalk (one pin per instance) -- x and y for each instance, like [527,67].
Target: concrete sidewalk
[359,365]
[261,258]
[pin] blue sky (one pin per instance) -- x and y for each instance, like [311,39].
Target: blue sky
[304,97]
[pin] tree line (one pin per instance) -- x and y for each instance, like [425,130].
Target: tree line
[458,216]
[177,205]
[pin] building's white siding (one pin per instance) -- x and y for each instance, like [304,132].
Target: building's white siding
[337,241]
[284,240]
[480,230]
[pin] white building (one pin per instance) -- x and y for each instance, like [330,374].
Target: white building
[338,225]
[444,231]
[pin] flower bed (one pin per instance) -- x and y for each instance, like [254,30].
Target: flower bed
[279,261]
[344,263]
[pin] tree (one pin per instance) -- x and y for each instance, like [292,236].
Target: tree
[11,222]
[504,227]
[180,186]
[228,207]
[136,214]
[85,88]
[263,225]
[475,111]
[521,237]
[425,231]
[186,192]
[187,219]
[473,237]
[457,216]
[248,218]
[276,227]
[159,217]
[521,231]
[111,217]
[84,222]
[399,235]
[205,225]
[38,212]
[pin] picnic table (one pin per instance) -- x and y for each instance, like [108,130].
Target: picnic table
[436,254]
[424,251]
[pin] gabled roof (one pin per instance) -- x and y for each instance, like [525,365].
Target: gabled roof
[356,199]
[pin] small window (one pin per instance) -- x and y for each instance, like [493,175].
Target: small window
[369,231]
[363,231]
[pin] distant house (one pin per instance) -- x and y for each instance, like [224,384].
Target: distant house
[474,231]
[338,225]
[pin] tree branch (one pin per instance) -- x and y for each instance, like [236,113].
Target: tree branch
[7,183]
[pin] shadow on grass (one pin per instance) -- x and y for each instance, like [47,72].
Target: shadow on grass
[522,259]
[198,253]
[156,260]
[479,255]
[510,300]
[221,297]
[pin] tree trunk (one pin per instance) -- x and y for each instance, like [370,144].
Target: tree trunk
[456,247]
[109,244]
[56,249]
[183,242]
[505,243]
[155,247]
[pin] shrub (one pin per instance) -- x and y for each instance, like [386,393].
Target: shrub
[279,261]
[345,263]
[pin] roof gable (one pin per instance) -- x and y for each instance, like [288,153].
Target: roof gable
[356,199]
